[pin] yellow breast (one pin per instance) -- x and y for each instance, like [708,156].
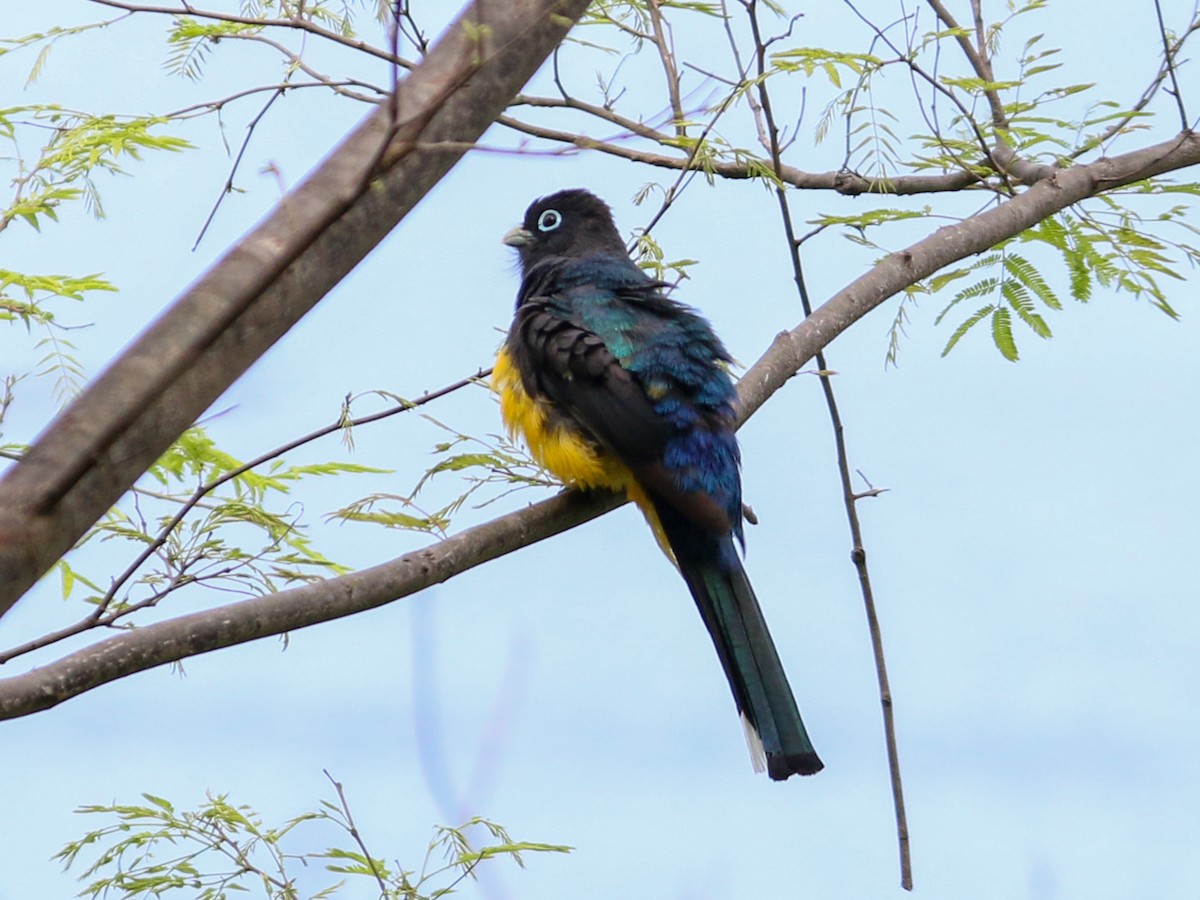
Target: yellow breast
[553,442]
[560,448]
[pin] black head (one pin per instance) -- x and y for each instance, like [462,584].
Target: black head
[569,223]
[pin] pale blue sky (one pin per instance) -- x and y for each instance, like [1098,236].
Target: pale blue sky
[1032,559]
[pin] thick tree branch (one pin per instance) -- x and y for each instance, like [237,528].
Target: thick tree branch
[96,449]
[176,639]
[237,623]
[792,349]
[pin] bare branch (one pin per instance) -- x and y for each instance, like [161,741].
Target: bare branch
[211,106]
[237,161]
[1169,65]
[102,617]
[666,54]
[1147,95]
[297,62]
[858,553]
[848,183]
[985,147]
[236,623]
[976,56]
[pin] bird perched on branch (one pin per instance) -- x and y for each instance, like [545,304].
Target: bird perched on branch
[615,385]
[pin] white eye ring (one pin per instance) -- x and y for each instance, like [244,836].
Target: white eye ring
[549,220]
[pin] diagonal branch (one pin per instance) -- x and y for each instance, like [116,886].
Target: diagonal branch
[176,639]
[847,183]
[792,349]
[99,446]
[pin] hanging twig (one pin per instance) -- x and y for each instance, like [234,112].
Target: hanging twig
[858,553]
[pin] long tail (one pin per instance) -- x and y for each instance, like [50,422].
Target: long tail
[774,730]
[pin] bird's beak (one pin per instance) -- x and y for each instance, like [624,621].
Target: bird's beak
[518,237]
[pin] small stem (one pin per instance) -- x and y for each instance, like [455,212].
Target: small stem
[662,42]
[1169,65]
[353,829]
[858,553]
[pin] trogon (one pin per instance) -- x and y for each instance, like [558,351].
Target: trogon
[614,384]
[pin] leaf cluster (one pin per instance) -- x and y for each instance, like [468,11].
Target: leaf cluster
[219,849]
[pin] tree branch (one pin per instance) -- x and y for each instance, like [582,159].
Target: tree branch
[792,349]
[843,182]
[224,626]
[236,623]
[96,449]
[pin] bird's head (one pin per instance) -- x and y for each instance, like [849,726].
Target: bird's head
[570,223]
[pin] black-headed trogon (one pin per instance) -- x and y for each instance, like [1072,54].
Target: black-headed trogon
[615,385]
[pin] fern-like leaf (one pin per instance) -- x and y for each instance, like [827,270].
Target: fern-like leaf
[1002,334]
[978,316]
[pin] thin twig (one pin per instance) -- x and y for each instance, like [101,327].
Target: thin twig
[353,829]
[1147,95]
[977,56]
[858,552]
[227,189]
[1169,64]
[848,183]
[211,106]
[662,42]
[985,146]
[688,172]
[101,617]
[296,61]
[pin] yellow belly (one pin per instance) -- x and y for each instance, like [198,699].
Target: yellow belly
[561,449]
[553,443]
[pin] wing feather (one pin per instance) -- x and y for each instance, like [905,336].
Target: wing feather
[572,366]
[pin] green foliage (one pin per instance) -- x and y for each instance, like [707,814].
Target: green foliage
[195,525]
[190,43]
[202,516]
[650,256]
[22,297]
[76,147]
[832,63]
[27,300]
[1103,244]
[153,849]
[73,147]
[45,40]
[870,218]
[491,462]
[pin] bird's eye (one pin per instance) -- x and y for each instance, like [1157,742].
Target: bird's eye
[549,220]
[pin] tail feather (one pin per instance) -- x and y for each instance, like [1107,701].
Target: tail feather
[774,730]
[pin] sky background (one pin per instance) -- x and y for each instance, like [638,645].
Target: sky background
[1033,557]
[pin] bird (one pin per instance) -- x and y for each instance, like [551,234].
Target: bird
[613,384]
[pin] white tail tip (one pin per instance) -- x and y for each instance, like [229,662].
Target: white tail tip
[758,756]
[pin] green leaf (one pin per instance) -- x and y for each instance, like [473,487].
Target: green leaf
[161,803]
[1002,334]
[982,288]
[978,316]
[1027,274]
[1020,301]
